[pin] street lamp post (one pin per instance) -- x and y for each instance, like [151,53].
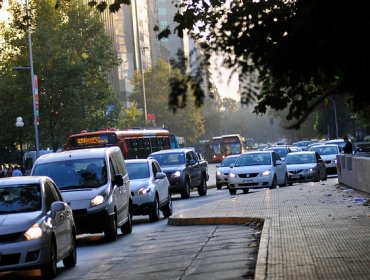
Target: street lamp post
[335,116]
[19,124]
[21,68]
[142,53]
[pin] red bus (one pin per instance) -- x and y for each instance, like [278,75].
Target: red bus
[134,143]
[225,145]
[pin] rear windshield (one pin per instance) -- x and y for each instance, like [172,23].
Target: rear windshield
[78,173]
[20,198]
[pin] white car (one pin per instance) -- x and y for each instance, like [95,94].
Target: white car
[328,154]
[149,188]
[257,169]
[223,171]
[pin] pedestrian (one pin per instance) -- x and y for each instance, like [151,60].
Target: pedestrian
[17,172]
[348,147]
[9,171]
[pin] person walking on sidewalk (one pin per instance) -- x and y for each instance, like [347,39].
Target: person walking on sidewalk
[348,147]
[17,172]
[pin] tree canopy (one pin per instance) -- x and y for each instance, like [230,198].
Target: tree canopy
[72,57]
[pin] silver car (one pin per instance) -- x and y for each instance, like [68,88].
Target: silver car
[329,154]
[37,227]
[149,189]
[259,169]
[223,171]
[305,166]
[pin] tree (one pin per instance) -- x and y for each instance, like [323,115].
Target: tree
[186,121]
[302,50]
[72,59]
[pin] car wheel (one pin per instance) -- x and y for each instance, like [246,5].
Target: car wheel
[71,259]
[273,184]
[49,270]
[285,181]
[186,192]
[127,227]
[245,190]
[154,213]
[168,209]
[110,232]
[232,191]
[219,186]
[202,188]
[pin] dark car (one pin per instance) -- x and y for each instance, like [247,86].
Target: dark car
[306,166]
[37,228]
[184,170]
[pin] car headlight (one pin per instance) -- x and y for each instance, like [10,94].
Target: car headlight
[97,200]
[311,169]
[232,175]
[266,173]
[218,173]
[33,232]
[143,191]
[335,161]
[176,174]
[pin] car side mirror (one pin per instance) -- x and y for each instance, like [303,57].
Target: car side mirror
[160,175]
[279,162]
[118,180]
[56,206]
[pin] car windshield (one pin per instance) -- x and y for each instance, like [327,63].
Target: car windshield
[300,159]
[282,152]
[20,198]
[330,150]
[227,161]
[77,173]
[169,158]
[253,159]
[137,170]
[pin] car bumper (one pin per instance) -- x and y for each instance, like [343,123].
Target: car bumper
[24,254]
[177,185]
[302,178]
[90,221]
[221,179]
[142,204]
[250,183]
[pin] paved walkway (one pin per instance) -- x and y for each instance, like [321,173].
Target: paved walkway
[311,231]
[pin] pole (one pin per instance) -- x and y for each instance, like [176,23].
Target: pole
[335,117]
[32,81]
[143,84]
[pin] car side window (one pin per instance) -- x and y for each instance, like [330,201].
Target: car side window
[54,191]
[49,197]
[188,157]
[154,169]
[157,166]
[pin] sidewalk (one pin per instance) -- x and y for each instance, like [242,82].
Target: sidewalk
[311,231]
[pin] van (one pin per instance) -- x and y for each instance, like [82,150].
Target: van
[95,184]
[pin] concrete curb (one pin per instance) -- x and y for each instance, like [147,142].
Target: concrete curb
[261,264]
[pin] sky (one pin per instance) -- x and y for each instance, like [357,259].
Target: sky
[221,77]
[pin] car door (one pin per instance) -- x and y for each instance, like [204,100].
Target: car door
[194,169]
[60,224]
[162,184]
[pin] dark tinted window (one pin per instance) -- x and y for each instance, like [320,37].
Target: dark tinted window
[20,198]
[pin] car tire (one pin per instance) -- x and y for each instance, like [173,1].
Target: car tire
[168,208]
[110,233]
[285,183]
[202,188]
[274,183]
[71,259]
[186,193]
[49,270]
[154,212]
[126,228]
[232,191]
[219,186]
[245,190]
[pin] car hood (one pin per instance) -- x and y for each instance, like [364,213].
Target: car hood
[172,168]
[300,166]
[250,169]
[225,169]
[329,157]
[18,222]
[136,184]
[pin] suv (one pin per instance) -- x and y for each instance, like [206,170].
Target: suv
[94,182]
[184,169]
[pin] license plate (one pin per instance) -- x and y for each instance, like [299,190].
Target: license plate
[247,180]
[295,176]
